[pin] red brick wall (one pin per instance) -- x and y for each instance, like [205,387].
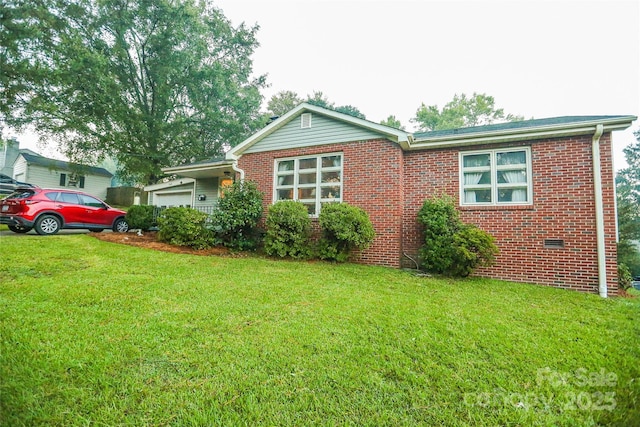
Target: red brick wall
[372,179]
[391,186]
[563,208]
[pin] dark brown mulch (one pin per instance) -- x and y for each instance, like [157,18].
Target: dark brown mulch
[149,240]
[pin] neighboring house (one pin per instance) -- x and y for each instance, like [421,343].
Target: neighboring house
[544,188]
[8,154]
[200,190]
[50,173]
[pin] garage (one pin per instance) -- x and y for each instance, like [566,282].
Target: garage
[173,198]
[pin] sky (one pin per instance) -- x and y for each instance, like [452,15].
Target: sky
[537,59]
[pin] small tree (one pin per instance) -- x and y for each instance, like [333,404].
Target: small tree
[452,247]
[288,230]
[236,217]
[344,228]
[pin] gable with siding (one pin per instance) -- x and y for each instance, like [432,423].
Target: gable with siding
[322,130]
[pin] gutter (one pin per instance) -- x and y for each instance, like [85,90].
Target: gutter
[235,167]
[597,184]
[520,134]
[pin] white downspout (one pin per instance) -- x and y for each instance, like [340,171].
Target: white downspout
[597,184]
[235,167]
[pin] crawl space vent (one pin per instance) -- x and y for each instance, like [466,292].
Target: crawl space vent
[554,243]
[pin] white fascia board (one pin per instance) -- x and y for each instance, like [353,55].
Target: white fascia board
[169,184]
[396,135]
[196,167]
[508,135]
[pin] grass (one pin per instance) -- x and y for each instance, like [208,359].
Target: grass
[94,333]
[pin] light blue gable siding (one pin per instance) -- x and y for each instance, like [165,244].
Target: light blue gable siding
[323,130]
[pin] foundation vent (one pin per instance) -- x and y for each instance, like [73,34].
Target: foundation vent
[554,243]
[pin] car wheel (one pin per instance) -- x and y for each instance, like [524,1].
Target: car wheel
[96,230]
[19,229]
[48,224]
[121,225]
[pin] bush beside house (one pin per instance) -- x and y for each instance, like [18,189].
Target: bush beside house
[236,216]
[452,247]
[184,227]
[345,228]
[140,217]
[288,231]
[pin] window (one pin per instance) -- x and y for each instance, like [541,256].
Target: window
[91,201]
[69,198]
[496,177]
[63,179]
[52,196]
[312,180]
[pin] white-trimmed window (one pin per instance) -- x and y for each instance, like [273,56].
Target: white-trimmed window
[496,177]
[313,180]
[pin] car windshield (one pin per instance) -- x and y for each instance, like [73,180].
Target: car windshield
[20,194]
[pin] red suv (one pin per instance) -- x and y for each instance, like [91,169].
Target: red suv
[49,210]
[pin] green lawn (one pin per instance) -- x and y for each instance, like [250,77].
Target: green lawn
[95,333]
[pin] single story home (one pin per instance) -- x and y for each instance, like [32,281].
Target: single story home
[543,188]
[50,173]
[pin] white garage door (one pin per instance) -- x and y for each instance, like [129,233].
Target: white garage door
[181,198]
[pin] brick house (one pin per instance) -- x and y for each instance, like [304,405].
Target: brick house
[535,185]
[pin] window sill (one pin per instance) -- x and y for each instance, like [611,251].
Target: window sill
[496,207]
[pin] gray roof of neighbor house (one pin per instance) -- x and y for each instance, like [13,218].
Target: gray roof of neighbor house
[61,165]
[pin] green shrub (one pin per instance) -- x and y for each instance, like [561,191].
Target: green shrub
[344,228]
[441,222]
[452,247]
[288,230]
[184,227]
[624,277]
[140,217]
[473,248]
[236,217]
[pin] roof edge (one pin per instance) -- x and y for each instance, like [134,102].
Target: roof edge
[195,167]
[531,132]
[396,135]
[169,184]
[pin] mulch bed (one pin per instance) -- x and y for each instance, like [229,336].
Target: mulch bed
[149,240]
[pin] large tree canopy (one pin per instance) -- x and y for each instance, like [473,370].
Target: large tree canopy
[152,83]
[461,111]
